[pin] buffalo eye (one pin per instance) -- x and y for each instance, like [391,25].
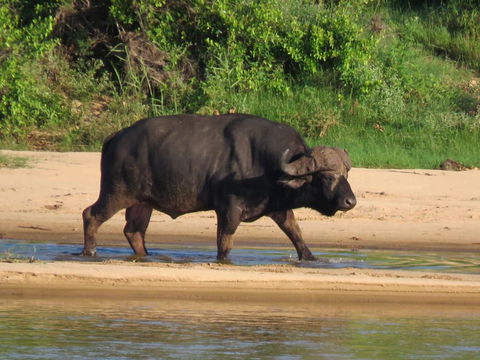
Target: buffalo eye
[329,179]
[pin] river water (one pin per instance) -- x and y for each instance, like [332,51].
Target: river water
[87,329]
[367,259]
[84,327]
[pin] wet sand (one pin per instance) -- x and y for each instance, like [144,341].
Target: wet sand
[214,282]
[397,209]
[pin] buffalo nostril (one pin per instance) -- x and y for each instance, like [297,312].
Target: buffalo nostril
[351,202]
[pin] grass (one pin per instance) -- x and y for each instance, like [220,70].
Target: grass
[310,109]
[13,162]
[390,149]
[9,257]
[450,31]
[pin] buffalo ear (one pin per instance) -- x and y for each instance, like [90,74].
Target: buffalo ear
[345,158]
[294,182]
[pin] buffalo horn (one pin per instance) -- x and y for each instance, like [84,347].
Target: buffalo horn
[304,165]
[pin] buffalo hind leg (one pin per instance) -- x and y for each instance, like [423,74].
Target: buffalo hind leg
[227,223]
[286,221]
[94,216]
[138,218]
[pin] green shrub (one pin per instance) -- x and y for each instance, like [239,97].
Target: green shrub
[25,99]
[250,45]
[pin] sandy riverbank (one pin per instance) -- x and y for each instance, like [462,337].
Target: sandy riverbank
[216,282]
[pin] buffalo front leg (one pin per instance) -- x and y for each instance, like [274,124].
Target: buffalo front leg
[227,223]
[138,218]
[286,221]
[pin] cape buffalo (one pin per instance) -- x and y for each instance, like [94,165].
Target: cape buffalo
[241,166]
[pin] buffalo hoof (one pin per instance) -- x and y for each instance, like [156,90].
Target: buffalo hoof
[86,252]
[307,257]
[225,262]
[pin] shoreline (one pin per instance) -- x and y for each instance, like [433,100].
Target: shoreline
[216,282]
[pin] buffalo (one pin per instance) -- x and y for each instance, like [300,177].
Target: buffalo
[241,166]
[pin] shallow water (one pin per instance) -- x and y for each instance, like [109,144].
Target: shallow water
[87,329]
[367,259]
[98,328]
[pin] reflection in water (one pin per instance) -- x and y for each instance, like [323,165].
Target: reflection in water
[414,260]
[87,329]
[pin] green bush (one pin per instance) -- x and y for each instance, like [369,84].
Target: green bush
[26,101]
[256,44]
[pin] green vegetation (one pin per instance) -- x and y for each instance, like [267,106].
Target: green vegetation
[10,257]
[395,82]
